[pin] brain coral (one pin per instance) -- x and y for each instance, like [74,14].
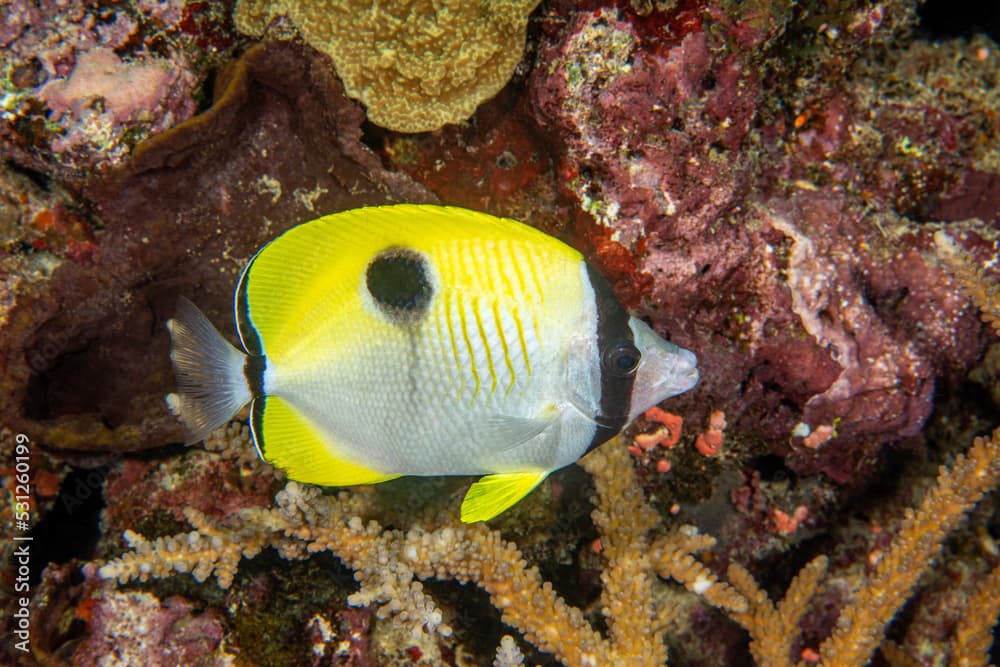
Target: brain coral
[416,64]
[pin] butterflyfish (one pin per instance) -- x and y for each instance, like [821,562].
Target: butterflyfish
[423,340]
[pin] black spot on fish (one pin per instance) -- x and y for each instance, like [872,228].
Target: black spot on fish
[397,280]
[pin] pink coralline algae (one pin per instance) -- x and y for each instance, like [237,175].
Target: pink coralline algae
[103,92]
[85,83]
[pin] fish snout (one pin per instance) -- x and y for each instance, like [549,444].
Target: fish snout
[666,370]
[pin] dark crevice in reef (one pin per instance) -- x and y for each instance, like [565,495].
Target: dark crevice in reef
[945,19]
[72,528]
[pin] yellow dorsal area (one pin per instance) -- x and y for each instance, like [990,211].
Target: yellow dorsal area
[316,269]
[494,494]
[286,439]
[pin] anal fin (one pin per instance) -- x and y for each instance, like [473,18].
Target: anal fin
[287,439]
[494,494]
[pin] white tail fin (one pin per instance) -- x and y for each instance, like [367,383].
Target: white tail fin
[211,386]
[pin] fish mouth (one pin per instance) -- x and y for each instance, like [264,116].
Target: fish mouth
[666,370]
[678,375]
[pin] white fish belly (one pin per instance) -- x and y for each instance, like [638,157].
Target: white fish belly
[454,394]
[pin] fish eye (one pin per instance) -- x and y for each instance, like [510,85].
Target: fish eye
[621,358]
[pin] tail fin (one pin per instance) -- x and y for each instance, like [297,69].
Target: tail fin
[211,386]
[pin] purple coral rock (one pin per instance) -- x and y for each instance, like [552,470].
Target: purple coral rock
[136,628]
[19,16]
[83,86]
[639,126]
[169,12]
[813,312]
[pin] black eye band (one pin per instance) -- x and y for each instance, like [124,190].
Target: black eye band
[619,360]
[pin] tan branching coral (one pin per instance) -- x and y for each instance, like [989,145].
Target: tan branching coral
[897,657]
[389,564]
[416,64]
[773,627]
[673,557]
[974,633]
[861,625]
[625,521]
[985,293]
[508,654]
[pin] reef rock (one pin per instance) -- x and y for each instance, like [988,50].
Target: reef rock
[771,245]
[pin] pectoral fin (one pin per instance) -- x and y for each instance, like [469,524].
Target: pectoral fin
[515,431]
[493,494]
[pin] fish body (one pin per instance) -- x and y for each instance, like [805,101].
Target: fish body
[423,340]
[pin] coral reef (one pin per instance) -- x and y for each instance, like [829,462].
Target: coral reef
[415,65]
[805,193]
[386,561]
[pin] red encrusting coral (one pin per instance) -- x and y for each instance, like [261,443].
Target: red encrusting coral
[498,165]
[806,296]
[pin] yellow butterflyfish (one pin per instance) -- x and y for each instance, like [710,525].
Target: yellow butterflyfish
[423,340]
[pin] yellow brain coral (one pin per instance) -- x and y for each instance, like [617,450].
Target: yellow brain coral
[415,64]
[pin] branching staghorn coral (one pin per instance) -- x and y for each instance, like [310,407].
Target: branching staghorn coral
[386,562]
[508,654]
[974,634]
[772,626]
[861,625]
[625,521]
[985,293]
[389,563]
[959,487]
